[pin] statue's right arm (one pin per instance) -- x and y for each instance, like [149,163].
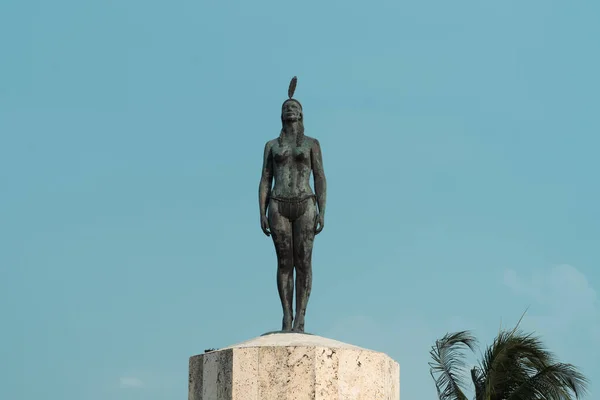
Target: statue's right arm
[266,179]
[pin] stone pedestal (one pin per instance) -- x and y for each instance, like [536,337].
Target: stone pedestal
[291,366]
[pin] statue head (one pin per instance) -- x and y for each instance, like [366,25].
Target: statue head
[291,111]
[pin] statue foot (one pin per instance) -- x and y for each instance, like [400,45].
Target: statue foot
[298,325]
[286,325]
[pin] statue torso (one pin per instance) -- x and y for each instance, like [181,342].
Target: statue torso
[291,168]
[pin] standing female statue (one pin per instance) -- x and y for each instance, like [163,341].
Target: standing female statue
[288,210]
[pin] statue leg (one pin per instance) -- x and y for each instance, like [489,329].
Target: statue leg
[304,235]
[281,232]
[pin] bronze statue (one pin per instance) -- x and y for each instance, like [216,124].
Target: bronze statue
[293,219]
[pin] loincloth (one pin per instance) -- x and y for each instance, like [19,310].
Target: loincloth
[293,208]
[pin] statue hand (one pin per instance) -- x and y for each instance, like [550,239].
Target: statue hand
[319,224]
[264,225]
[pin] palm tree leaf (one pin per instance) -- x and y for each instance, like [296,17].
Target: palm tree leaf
[478,383]
[447,367]
[511,360]
[555,382]
[517,366]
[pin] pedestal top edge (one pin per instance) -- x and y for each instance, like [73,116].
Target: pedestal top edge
[290,339]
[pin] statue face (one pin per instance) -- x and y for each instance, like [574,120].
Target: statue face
[291,111]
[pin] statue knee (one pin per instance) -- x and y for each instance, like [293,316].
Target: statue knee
[302,259]
[286,261]
[303,265]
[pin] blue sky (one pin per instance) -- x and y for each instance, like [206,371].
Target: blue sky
[460,144]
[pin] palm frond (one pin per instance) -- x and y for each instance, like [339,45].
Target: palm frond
[517,366]
[511,360]
[555,382]
[519,321]
[447,367]
[478,382]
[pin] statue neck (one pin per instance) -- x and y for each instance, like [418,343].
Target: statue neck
[291,129]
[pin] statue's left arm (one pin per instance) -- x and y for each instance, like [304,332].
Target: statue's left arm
[320,182]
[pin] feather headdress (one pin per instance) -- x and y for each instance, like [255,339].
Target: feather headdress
[291,90]
[300,135]
[292,87]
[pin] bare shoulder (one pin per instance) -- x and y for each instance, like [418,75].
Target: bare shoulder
[313,143]
[270,144]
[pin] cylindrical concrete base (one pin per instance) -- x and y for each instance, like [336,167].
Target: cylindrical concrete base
[289,366]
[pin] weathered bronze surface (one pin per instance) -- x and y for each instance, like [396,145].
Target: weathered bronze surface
[290,212]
